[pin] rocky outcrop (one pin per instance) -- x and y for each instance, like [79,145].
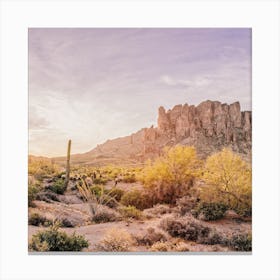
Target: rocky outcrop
[209,126]
[213,119]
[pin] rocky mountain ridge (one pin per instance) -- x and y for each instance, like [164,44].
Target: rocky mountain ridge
[209,127]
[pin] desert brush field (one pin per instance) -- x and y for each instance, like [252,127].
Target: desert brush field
[176,202]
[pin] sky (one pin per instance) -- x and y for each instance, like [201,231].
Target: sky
[95,84]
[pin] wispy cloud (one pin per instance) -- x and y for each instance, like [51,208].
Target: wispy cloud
[196,82]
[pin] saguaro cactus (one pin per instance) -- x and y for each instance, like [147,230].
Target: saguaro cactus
[68,164]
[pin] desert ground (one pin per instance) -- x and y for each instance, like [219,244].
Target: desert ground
[121,209]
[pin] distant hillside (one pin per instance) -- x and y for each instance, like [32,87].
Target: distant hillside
[209,127]
[36,158]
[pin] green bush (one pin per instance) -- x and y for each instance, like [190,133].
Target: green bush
[55,240]
[64,222]
[209,211]
[96,189]
[137,199]
[115,193]
[131,212]
[58,186]
[32,193]
[243,210]
[241,242]
[35,219]
[109,197]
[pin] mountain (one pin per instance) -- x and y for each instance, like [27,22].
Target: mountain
[209,127]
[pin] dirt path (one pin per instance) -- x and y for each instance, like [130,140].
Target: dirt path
[94,233]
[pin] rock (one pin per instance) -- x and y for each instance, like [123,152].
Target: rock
[163,120]
[208,126]
[230,214]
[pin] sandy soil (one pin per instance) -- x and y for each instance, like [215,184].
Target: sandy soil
[71,207]
[95,232]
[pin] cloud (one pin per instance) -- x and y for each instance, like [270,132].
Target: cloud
[195,82]
[35,121]
[93,84]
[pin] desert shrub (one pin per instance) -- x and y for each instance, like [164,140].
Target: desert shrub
[188,230]
[172,175]
[47,196]
[96,189]
[61,174]
[158,210]
[110,201]
[170,246]
[116,193]
[137,198]
[33,190]
[55,240]
[161,246]
[131,212]
[209,211]
[185,204]
[129,178]
[243,210]
[213,238]
[65,222]
[41,168]
[240,242]
[58,186]
[103,214]
[100,181]
[228,180]
[150,237]
[35,219]
[106,197]
[95,201]
[73,188]
[161,209]
[116,240]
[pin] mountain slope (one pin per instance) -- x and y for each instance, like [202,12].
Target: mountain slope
[209,127]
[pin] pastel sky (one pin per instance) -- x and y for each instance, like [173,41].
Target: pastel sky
[94,84]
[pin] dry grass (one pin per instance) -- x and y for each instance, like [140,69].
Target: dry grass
[116,240]
[174,245]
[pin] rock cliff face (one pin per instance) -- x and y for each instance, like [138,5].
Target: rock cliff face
[209,127]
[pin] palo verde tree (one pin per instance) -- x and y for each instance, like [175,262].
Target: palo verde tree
[171,175]
[228,180]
